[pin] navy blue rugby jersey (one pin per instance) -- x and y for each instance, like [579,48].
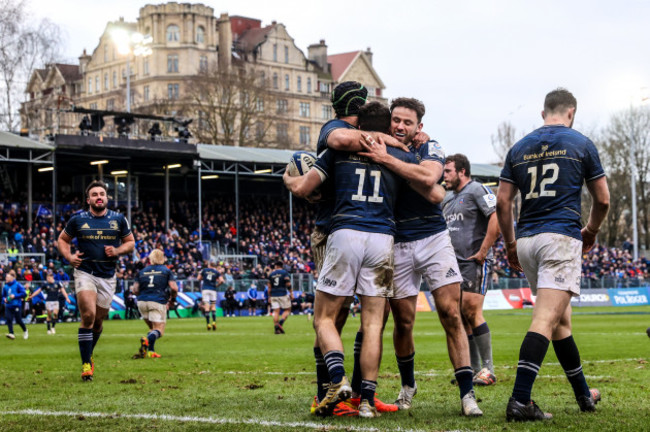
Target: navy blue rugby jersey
[51,291]
[416,217]
[549,166]
[279,279]
[153,282]
[366,192]
[325,207]
[210,278]
[95,232]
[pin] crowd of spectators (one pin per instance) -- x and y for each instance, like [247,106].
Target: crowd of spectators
[264,233]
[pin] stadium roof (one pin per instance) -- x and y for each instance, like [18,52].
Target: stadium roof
[8,139]
[244,154]
[485,170]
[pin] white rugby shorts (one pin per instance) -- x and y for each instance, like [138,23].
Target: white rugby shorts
[105,288]
[357,259]
[153,311]
[432,257]
[52,306]
[318,247]
[209,296]
[552,261]
[281,302]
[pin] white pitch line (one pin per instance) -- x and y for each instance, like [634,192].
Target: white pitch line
[210,420]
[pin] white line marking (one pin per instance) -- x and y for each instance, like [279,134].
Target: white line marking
[594,377]
[210,420]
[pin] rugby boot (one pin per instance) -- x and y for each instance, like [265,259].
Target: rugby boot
[336,393]
[588,403]
[469,407]
[405,397]
[367,411]
[525,412]
[382,407]
[86,372]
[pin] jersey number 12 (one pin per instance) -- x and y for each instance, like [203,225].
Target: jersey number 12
[555,172]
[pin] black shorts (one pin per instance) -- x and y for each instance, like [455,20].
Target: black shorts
[476,277]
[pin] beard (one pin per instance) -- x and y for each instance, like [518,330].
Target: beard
[98,208]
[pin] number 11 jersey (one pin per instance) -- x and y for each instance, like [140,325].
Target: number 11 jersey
[549,167]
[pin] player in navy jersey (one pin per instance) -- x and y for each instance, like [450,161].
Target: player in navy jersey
[423,249]
[51,289]
[548,167]
[359,253]
[470,212]
[155,287]
[102,236]
[210,278]
[281,296]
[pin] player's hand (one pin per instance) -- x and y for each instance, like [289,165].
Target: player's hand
[393,142]
[314,197]
[110,251]
[513,258]
[75,260]
[373,150]
[420,138]
[479,257]
[588,240]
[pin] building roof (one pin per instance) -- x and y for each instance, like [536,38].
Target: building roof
[251,38]
[8,139]
[70,72]
[341,62]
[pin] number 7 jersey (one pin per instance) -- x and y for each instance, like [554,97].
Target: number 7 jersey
[549,167]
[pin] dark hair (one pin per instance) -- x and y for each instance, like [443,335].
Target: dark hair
[348,97]
[461,163]
[375,117]
[559,100]
[94,184]
[410,103]
[279,264]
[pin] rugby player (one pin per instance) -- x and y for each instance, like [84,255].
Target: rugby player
[102,236]
[548,167]
[51,289]
[210,278]
[281,296]
[470,212]
[155,287]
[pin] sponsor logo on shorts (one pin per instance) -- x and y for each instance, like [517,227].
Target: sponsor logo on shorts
[559,279]
[451,273]
[329,282]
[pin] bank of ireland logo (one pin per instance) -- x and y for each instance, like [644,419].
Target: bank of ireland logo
[113,225]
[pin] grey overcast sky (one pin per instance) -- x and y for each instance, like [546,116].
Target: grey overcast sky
[474,63]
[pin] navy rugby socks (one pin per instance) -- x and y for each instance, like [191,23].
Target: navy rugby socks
[368,389]
[531,355]
[152,337]
[85,338]
[322,374]
[406,366]
[568,355]
[334,361]
[464,377]
[356,372]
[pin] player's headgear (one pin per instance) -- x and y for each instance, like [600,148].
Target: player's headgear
[348,97]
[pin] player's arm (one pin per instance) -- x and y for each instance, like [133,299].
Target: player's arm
[64,246]
[505,198]
[304,185]
[65,293]
[349,140]
[135,288]
[490,237]
[173,286]
[599,192]
[34,294]
[128,244]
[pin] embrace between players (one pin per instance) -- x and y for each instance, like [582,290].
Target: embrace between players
[381,228]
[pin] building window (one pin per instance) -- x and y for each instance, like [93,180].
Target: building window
[203,64]
[326,112]
[93,106]
[275,80]
[146,93]
[283,106]
[259,130]
[110,104]
[299,84]
[105,81]
[105,53]
[114,79]
[275,52]
[90,85]
[145,66]
[173,33]
[172,63]
[304,135]
[324,87]
[260,105]
[200,34]
[172,91]
[97,84]
[262,79]
[286,54]
[308,85]
[282,131]
[304,109]
[286,82]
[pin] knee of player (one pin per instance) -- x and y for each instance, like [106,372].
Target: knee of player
[450,314]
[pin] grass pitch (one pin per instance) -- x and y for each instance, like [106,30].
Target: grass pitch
[244,378]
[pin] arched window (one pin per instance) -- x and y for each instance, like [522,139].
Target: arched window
[200,34]
[173,33]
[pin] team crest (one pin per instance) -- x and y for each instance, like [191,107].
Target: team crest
[461,201]
[113,225]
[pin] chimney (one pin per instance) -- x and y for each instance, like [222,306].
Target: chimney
[369,55]
[225,41]
[318,53]
[83,61]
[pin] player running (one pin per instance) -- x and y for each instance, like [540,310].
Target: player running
[210,278]
[548,167]
[281,296]
[155,287]
[51,289]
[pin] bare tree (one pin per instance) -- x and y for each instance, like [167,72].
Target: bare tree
[503,140]
[234,106]
[23,47]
